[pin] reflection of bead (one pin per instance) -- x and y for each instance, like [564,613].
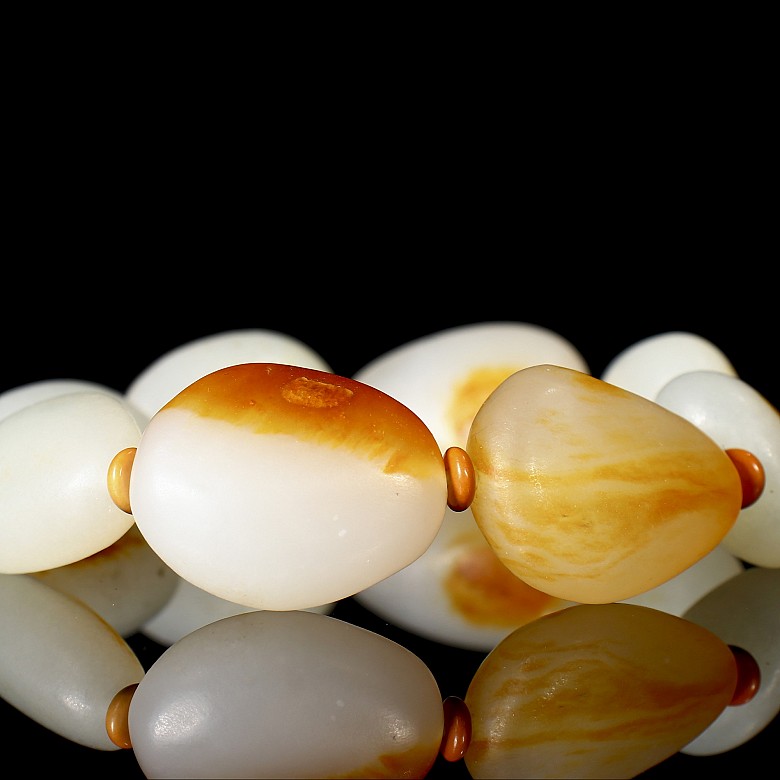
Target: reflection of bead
[59,662]
[596,691]
[286,694]
[744,611]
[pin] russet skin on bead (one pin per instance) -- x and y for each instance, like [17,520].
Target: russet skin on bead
[281,487]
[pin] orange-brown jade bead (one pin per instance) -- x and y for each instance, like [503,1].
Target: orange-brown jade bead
[599,691]
[751,475]
[460,479]
[591,493]
[118,479]
[117,717]
[457,729]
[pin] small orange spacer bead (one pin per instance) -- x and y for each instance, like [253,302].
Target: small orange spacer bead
[461,484]
[118,479]
[457,729]
[751,475]
[116,717]
[748,676]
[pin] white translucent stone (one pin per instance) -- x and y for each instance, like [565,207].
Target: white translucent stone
[735,415]
[744,612]
[173,371]
[280,487]
[458,592]
[55,456]
[679,593]
[645,367]
[126,584]
[286,695]
[445,377]
[190,608]
[60,664]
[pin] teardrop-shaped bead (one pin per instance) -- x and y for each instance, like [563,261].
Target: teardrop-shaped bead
[286,695]
[60,664]
[591,493]
[170,373]
[126,584]
[736,415]
[55,507]
[280,487]
[595,691]
[745,613]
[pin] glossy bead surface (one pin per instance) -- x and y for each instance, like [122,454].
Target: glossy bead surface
[60,663]
[744,612]
[591,493]
[286,695]
[734,414]
[54,458]
[595,691]
[279,487]
[126,584]
[170,373]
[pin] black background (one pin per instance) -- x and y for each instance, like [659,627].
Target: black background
[137,230]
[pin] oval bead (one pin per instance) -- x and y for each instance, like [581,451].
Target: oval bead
[60,664]
[170,373]
[645,367]
[126,584]
[190,608]
[735,415]
[458,592]
[591,493]
[595,691]
[286,695]
[744,612]
[280,487]
[54,458]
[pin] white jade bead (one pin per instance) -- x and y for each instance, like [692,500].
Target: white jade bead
[735,415]
[55,456]
[286,695]
[744,612]
[679,593]
[280,487]
[18,397]
[457,592]
[60,664]
[445,377]
[170,373]
[645,367]
[126,584]
[190,608]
